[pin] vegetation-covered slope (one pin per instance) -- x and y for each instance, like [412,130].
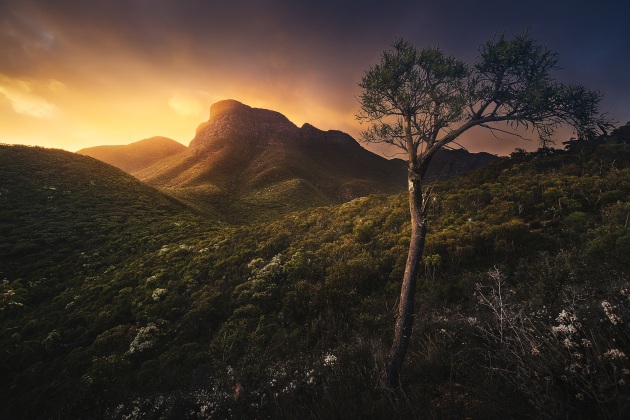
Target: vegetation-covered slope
[525,291]
[56,205]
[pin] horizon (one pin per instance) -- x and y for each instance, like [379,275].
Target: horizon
[112,73]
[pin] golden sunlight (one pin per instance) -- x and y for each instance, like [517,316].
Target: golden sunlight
[22,96]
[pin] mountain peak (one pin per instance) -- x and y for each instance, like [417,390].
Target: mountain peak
[231,121]
[227,105]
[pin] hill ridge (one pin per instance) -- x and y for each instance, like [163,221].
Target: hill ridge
[137,155]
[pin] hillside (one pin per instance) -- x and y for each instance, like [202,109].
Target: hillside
[136,156]
[292,318]
[56,204]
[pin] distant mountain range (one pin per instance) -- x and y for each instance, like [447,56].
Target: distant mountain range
[246,160]
[136,156]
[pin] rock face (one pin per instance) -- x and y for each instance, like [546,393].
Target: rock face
[135,156]
[231,121]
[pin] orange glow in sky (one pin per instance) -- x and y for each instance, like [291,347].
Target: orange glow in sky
[65,114]
[61,114]
[76,74]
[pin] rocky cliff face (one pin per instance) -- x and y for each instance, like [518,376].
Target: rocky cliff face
[231,121]
[250,141]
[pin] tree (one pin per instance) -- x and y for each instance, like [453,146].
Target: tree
[421,100]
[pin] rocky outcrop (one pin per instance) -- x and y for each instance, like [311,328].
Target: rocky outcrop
[231,121]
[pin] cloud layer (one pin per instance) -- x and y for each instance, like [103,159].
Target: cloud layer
[130,69]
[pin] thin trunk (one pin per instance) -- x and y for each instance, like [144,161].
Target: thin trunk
[405,313]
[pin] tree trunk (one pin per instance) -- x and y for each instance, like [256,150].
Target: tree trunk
[405,313]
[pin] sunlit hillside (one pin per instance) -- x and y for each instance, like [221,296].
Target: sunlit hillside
[136,156]
[120,302]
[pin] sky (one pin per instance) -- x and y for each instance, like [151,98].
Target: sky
[76,73]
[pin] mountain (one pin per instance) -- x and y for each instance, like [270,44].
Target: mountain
[246,160]
[450,163]
[249,164]
[135,156]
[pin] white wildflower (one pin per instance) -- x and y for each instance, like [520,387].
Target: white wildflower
[145,339]
[159,294]
[608,310]
[330,360]
[563,317]
[614,354]
[564,329]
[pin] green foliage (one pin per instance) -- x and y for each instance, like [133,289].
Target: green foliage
[421,99]
[136,305]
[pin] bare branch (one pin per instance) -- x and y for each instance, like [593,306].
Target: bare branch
[511,133]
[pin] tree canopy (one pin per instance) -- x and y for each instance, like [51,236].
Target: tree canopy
[512,82]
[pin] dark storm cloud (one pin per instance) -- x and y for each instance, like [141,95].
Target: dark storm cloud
[296,50]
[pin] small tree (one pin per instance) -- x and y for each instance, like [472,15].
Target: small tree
[421,100]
